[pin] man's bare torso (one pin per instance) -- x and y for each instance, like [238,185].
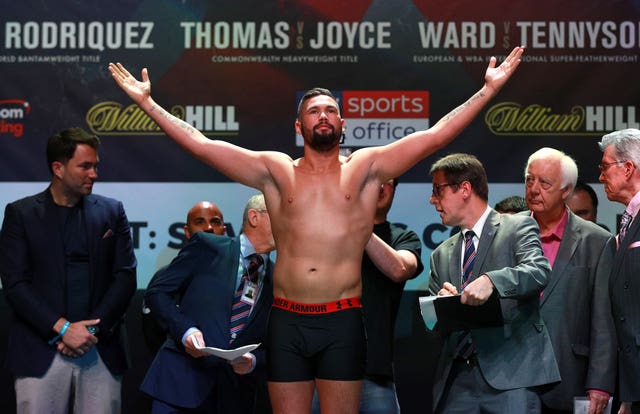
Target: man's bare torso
[321,221]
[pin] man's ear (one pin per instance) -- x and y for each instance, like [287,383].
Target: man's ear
[465,186]
[58,169]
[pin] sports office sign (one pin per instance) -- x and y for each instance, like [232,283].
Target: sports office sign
[374,118]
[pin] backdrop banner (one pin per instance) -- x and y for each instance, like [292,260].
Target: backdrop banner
[237,72]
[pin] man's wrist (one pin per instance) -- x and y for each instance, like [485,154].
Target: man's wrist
[58,337]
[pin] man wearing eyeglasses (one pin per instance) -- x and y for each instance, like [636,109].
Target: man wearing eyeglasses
[488,369]
[621,178]
[575,304]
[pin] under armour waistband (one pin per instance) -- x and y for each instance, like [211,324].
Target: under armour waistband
[316,308]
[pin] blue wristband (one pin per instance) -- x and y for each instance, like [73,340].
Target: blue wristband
[62,331]
[64,328]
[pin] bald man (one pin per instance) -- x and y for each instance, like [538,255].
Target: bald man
[203,216]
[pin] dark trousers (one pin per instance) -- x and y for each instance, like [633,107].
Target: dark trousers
[467,392]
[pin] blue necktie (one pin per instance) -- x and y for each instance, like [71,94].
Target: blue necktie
[240,310]
[464,348]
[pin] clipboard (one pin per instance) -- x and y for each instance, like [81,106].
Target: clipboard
[448,314]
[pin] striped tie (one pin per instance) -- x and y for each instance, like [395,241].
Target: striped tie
[240,310]
[464,348]
[469,258]
[624,224]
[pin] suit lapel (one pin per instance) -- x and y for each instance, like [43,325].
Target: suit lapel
[489,231]
[455,260]
[632,234]
[568,246]
[266,294]
[92,223]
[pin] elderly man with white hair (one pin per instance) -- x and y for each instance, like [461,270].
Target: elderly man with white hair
[575,304]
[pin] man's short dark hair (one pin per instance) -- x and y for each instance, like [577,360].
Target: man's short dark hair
[581,185]
[311,93]
[513,204]
[461,167]
[62,145]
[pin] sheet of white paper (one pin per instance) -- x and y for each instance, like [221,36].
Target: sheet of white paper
[428,311]
[581,405]
[228,354]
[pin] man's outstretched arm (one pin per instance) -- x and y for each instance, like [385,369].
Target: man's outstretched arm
[231,160]
[396,158]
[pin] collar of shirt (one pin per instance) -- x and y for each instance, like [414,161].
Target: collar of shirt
[634,205]
[551,241]
[477,230]
[246,249]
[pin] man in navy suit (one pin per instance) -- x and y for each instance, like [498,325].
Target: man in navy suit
[205,276]
[620,173]
[203,216]
[68,271]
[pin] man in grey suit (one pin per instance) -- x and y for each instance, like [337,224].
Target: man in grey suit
[500,364]
[620,173]
[575,304]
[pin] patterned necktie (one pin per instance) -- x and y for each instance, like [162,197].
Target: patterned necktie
[624,225]
[240,310]
[464,348]
[469,258]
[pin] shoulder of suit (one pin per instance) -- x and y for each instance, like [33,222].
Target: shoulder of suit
[97,198]
[40,197]
[521,217]
[588,228]
[213,240]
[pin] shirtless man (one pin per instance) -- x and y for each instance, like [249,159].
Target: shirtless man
[321,207]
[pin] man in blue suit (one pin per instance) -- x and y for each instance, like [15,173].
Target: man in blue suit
[68,271]
[203,216]
[489,369]
[205,276]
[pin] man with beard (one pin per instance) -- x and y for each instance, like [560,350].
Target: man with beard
[322,207]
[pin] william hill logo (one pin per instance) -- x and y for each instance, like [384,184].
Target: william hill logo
[511,118]
[112,118]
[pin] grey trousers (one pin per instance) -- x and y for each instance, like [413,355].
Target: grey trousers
[77,385]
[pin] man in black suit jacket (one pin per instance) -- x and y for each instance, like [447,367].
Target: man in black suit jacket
[620,173]
[68,271]
[575,305]
[205,276]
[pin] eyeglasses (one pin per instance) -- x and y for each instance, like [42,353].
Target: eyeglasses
[605,165]
[437,189]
